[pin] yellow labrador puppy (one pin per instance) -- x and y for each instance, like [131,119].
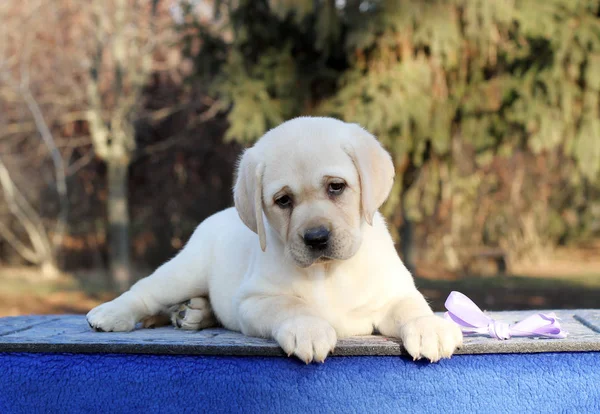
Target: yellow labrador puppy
[304,258]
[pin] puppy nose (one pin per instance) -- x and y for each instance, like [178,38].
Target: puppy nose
[316,238]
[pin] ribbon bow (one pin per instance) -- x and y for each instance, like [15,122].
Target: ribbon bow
[471,319]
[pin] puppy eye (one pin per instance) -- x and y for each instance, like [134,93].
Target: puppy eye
[284,201]
[336,188]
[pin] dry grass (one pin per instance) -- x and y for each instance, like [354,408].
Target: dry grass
[25,291]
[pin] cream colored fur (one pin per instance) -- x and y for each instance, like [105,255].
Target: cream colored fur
[262,279]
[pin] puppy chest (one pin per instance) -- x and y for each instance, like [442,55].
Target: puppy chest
[348,309]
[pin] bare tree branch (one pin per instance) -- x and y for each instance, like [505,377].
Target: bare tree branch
[80,163]
[28,218]
[57,160]
[24,127]
[19,246]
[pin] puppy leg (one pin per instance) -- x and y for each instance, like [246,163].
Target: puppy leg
[178,280]
[289,320]
[423,334]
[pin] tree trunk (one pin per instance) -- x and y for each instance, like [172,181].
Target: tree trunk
[118,224]
[407,242]
[409,174]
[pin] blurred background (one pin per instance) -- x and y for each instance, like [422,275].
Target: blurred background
[121,121]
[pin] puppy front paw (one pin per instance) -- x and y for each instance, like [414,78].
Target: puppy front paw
[307,337]
[430,337]
[111,317]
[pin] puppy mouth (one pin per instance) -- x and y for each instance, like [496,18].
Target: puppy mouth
[307,260]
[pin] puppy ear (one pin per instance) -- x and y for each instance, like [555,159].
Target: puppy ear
[375,169]
[247,194]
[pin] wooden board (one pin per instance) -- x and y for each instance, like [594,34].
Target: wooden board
[71,333]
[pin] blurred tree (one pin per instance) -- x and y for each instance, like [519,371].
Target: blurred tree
[456,89]
[41,252]
[21,52]
[105,54]
[120,41]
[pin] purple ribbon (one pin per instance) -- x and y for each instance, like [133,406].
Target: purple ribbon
[471,320]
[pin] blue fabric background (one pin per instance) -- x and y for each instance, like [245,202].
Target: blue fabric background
[111,383]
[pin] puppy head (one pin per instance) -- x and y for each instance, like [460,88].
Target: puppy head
[317,180]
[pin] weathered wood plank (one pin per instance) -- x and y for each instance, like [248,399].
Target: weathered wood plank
[71,333]
[590,318]
[23,323]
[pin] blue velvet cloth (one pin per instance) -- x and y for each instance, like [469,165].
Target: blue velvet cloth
[121,383]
